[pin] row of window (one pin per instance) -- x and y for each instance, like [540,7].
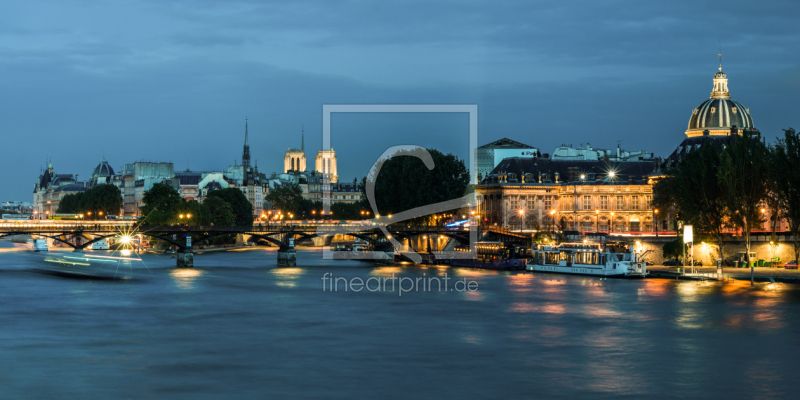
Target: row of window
[618,203]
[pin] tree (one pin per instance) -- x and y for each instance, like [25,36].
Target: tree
[242,209]
[785,182]
[105,198]
[405,182]
[193,213]
[673,249]
[346,211]
[287,199]
[220,211]
[71,204]
[693,189]
[744,176]
[101,198]
[159,204]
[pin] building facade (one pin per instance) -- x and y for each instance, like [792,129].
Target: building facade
[489,155]
[50,188]
[593,196]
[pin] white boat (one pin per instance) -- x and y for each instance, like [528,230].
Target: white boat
[90,266]
[611,259]
[100,245]
[40,245]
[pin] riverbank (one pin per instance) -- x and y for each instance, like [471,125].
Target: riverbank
[760,274]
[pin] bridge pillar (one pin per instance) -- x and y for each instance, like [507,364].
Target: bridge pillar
[78,250]
[185,259]
[287,256]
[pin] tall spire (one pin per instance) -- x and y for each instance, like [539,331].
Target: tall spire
[246,150]
[303,138]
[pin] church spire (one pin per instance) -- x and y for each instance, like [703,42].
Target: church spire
[303,138]
[246,150]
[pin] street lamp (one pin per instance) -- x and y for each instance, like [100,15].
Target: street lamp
[596,220]
[553,218]
[655,220]
[521,219]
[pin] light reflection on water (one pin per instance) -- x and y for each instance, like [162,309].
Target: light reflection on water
[246,328]
[185,277]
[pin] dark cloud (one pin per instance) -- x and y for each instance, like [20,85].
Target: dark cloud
[174,80]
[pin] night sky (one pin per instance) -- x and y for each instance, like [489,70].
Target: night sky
[174,80]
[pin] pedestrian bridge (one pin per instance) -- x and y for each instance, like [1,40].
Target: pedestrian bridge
[79,235]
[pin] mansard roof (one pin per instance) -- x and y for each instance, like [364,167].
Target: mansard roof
[569,171]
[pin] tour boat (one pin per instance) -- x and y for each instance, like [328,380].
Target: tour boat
[88,266]
[40,245]
[611,259]
[494,255]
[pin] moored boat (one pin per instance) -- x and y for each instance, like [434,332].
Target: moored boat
[494,255]
[610,259]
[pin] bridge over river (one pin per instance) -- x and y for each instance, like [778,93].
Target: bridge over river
[383,238]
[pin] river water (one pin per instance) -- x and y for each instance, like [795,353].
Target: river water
[237,326]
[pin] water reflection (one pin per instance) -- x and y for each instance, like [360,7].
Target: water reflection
[386,271]
[546,308]
[288,276]
[185,278]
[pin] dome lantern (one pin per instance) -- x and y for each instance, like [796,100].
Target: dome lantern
[719,115]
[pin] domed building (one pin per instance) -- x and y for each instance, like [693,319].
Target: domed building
[719,114]
[102,174]
[717,118]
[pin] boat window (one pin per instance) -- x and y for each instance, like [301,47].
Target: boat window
[551,258]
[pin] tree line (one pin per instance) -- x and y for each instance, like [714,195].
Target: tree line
[722,185]
[95,203]
[223,207]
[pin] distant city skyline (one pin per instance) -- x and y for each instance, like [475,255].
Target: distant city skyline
[168,81]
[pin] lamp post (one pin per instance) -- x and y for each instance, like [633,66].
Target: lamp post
[655,220]
[521,220]
[597,220]
[553,218]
